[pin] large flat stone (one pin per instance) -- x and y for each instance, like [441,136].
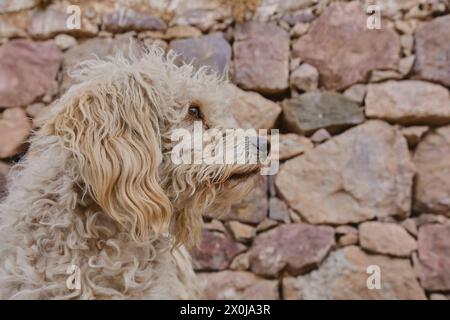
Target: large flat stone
[341,47]
[433,50]
[254,208]
[252,110]
[409,102]
[344,276]
[295,248]
[386,238]
[237,285]
[432,189]
[261,57]
[27,71]
[126,19]
[215,252]
[202,14]
[210,50]
[433,263]
[365,172]
[316,110]
[14,130]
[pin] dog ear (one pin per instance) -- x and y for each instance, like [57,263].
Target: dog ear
[112,130]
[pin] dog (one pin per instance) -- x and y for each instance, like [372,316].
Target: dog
[97,209]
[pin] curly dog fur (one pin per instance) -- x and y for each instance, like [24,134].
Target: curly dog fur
[98,190]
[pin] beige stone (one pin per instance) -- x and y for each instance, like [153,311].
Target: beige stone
[343,276]
[408,102]
[386,238]
[365,172]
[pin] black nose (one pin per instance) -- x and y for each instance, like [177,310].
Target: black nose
[263,145]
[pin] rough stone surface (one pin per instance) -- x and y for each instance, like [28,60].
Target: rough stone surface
[202,14]
[299,29]
[268,9]
[127,19]
[34,109]
[433,263]
[432,189]
[393,9]
[414,134]
[241,262]
[9,30]
[14,129]
[339,45]
[265,225]
[27,71]
[215,252]
[433,50]
[405,65]
[253,209]
[237,285]
[383,75]
[305,78]
[278,50]
[409,102]
[343,275]
[295,248]
[278,210]
[316,110]
[211,50]
[215,225]
[356,93]
[405,26]
[54,20]
[4,169]
[423,10]
[320,136]
[386,238]
[261,53]
[348,240]
[410,226]
[292,144]
[179,32]
[438,296]
[252,110]
[347,236]
[407,43]
[299,16]
[363,173]
[64,41]
[241,232]
[16,5]
[429,218]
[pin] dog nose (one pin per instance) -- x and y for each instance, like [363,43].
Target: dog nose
[263,145]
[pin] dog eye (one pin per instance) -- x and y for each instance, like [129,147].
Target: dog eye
[194,111]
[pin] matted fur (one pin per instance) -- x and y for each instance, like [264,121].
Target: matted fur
[97,189]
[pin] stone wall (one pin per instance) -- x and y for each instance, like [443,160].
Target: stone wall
[365,149]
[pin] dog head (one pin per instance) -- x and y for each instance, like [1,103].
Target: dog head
[124,121]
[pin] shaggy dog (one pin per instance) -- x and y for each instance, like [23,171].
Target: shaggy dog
[98,195]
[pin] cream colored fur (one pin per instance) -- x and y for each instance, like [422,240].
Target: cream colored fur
[97,189]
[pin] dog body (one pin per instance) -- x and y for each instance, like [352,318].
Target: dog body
[97,209]
[50,235]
